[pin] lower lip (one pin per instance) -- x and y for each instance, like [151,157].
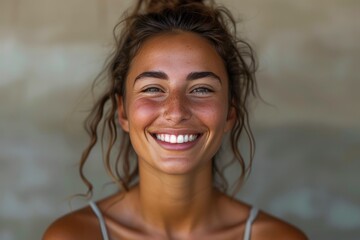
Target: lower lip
[177,146]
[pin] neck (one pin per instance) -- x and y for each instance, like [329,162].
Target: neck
[176,203]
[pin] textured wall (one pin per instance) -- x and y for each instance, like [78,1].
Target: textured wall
[308,136]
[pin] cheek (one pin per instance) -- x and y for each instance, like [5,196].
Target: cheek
[142,110]
[213,113]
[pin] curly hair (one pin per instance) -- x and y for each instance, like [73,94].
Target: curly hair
[150,18]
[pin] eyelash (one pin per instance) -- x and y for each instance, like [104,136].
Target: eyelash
[198,90]
[202,90]
[152,90]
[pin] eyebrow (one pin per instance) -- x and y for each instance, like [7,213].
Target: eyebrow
[191,76]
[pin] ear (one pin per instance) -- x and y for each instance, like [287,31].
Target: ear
[230,120]
[124,123]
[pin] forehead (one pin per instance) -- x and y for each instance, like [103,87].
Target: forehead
[177,51]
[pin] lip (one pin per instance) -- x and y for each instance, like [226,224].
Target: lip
[177,146]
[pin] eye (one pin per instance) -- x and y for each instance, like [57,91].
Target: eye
[152,90]
[202,90]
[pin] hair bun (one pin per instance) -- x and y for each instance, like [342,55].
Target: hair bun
[149,6]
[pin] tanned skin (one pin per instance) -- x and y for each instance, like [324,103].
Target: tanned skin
[177,85]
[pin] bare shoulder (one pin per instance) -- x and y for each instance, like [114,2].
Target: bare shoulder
[267,227]
[80,224]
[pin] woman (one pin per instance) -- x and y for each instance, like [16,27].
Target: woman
[179,81]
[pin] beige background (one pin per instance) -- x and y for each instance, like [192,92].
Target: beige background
[308,139]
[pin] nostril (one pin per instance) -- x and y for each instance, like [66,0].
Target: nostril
[177,113]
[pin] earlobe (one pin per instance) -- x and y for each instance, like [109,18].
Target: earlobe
[124,123]
[230,120]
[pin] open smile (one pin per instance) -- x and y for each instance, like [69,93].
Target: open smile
[172,141]
[172,138]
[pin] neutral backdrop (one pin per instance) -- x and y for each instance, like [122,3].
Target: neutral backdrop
[306,168]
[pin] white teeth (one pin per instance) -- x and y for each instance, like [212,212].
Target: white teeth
[170,138]
[192,138]
[173,139]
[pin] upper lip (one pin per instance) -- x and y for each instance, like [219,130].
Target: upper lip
[176,132]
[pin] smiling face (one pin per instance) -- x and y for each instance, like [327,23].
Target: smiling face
[176,105]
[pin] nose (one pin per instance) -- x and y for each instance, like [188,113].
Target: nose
[177,108]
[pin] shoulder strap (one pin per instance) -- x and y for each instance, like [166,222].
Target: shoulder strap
[252,216]
[98,214]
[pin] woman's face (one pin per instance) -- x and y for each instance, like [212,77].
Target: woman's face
[176,106]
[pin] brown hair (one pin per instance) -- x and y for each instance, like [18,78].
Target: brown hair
[149,18]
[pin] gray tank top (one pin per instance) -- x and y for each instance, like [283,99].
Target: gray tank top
[247,235]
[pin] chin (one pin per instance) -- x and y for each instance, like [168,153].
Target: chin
[176,166]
